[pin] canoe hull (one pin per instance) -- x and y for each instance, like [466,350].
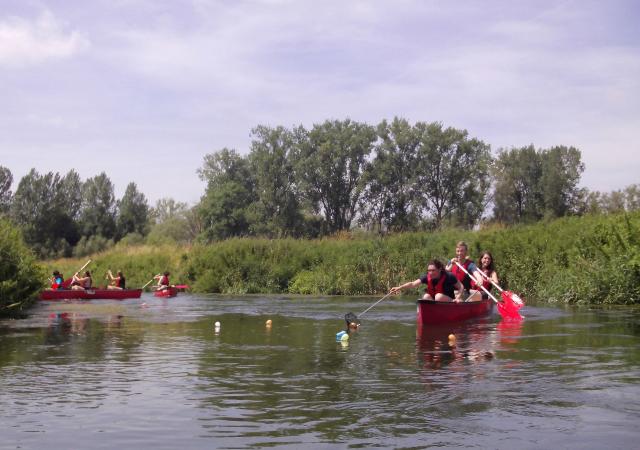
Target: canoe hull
[90,294]
[171,292]
[430,312]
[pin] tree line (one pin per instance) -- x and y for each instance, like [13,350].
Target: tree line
[307,183]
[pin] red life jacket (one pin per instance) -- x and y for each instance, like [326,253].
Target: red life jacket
[164,281]
[461,275]
[485,282]
[438,288]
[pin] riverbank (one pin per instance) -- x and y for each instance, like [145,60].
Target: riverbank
[589,259]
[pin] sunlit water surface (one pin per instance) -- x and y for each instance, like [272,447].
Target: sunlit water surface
[157,374]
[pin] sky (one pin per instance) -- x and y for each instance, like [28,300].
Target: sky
[143,89]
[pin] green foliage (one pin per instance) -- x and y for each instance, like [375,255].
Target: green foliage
[21,278]
[98,214]
[94,244]
[133,212]
[6,178]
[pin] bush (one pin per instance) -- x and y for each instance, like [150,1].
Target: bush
[21,278]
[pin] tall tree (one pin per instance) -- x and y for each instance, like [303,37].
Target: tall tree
[166,209]
[276,210]
[229,193]
[330,161]
[132,212]
[98,212]
[388,202]
[561,171]
[38,207]
[5,189]
[517,193]
[452,174]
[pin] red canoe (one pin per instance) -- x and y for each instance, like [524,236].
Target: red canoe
[431,312]
[169,292]
[90,294]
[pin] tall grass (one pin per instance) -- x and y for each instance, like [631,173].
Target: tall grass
[590,259]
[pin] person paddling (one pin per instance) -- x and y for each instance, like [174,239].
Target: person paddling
[57,281]
[441,285]
[486,267]
[163,281]
[462,259]
[84,282]
[117,282]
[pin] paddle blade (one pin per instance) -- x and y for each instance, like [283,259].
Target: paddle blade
[509,307]
[182,286]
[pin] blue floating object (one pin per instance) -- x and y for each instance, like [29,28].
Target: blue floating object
[339,335]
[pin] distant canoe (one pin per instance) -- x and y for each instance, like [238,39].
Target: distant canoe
[90,294]
[169,292]
[430,312]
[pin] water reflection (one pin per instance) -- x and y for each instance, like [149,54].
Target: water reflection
[163,376]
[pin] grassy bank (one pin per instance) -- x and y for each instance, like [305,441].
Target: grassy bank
[592,259]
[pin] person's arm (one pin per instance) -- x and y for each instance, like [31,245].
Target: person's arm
[407,285]
[459,288]
[449,265]
[494,277]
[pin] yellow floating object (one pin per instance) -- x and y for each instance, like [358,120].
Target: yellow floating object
[268,323]
[345,337]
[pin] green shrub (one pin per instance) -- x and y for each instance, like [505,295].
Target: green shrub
[21,279]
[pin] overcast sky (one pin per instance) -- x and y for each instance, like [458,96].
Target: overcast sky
[144,89]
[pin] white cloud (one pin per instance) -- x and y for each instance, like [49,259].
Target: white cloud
[25,43]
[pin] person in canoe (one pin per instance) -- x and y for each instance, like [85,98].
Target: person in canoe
[163,281]
[84,282]
[462,259]
[57,281]
[117,282]
[485,265]
[442,286]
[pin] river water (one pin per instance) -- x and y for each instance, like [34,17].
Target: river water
[157,374]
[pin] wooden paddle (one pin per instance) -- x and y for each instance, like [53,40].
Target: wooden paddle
[149,282]
[506,311]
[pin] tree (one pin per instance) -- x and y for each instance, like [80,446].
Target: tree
[229,192]
[132,212]
[561,171]
[452,174]
[530,184]
[517,194]
[387,201]
[276,210]
[98,212]
[5,189]
[39,207]
[166,209]
[330,161]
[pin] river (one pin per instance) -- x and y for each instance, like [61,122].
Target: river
[158,374]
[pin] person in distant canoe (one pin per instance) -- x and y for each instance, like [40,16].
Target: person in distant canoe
[57,280]
[441,285]
[485,265]
[163,281]
[117,282]
[462,259]
[84,282]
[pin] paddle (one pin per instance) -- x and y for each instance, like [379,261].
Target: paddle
[68,281]
[352,318]
[504,308]
[510,296]
[181,286]
[149,282]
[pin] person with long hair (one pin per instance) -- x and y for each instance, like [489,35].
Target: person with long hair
[487,267]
